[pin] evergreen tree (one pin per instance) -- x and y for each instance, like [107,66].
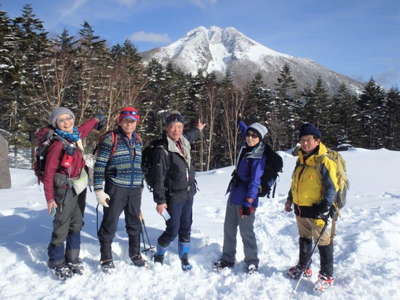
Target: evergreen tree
[392,136]
[372,112]
[341,114]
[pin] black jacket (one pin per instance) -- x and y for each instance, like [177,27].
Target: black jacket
[174,175]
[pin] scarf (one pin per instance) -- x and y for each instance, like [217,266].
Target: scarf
[71,137]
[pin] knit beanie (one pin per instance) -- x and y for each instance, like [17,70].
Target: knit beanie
[128,113]
[58,112]
[261,130]
[309,129]
[173,117]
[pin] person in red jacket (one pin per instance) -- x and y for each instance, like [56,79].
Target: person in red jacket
[65,181]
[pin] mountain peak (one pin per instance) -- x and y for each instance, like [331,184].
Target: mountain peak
[223,50]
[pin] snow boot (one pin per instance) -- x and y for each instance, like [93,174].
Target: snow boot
[76,267]
[296,271]
[222,264]
[326,259]
[183,249]
[159,256]
[251,269]
[107,266]
[323,283]
[138,261]
[62,272]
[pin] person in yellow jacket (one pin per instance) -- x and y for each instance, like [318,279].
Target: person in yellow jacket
[313,190]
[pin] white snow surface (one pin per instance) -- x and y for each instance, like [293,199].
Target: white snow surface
[367,248]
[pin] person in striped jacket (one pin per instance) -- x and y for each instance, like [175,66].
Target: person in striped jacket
[118,167]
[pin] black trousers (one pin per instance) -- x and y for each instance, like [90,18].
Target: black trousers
[128,201]
[180,222]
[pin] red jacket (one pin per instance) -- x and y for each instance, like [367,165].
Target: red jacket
[54,156]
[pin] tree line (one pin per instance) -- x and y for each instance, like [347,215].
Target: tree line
[83,73]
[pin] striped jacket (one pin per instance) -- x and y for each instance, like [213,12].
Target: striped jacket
[123,166]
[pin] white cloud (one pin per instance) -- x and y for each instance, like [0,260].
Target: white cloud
[76,4]
[142,36]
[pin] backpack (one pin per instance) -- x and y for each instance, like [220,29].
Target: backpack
[343,182]
[43,139]
[273,166]
[148,162]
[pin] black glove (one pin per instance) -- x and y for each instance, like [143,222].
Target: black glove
[102,121]
[246,210]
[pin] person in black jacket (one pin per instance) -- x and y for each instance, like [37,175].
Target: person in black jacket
[175,186]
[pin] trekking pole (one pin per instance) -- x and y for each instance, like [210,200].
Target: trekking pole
[311,254]
[144,229]
[97,217]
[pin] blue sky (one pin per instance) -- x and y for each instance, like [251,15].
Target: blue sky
[358,38]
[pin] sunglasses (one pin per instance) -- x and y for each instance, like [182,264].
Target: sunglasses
[252,135]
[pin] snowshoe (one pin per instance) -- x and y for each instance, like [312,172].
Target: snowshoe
[222,264]
[62,272]
[251,269]
[186,266]
[107,266]
[76,268]
[138,261]
[158,259]
[323,283]
[296,271]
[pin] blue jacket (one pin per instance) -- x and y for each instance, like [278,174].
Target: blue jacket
[249,169]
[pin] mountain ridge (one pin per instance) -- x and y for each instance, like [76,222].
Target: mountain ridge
[223,50]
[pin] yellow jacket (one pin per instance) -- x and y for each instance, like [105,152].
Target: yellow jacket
[314,179]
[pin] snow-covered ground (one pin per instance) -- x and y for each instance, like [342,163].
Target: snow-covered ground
[367,247]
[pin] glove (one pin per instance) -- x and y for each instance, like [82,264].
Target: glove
[246,210]
[102,197]
[102,121]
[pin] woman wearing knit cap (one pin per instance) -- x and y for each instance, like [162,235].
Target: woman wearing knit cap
[65,181]
[243,198]
[118,164]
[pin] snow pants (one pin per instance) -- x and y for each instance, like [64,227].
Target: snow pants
[128,201]
[246,227]
[67,223]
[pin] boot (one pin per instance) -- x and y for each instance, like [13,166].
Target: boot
[105,251]
[305,247]
[138,260]
[222,264]
[159,256]
[326,256]
[76,267]
[62,272]
[183,249]
[107,266]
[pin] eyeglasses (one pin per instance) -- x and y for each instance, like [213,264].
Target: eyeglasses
[252,135]
[67,119]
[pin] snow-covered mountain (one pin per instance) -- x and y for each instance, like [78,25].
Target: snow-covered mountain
[223,50]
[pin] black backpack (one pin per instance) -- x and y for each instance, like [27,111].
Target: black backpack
[148,162]
[273,166]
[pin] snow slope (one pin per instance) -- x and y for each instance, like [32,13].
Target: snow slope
[367,249]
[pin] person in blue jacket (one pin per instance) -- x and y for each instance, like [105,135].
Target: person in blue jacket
[243,198]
